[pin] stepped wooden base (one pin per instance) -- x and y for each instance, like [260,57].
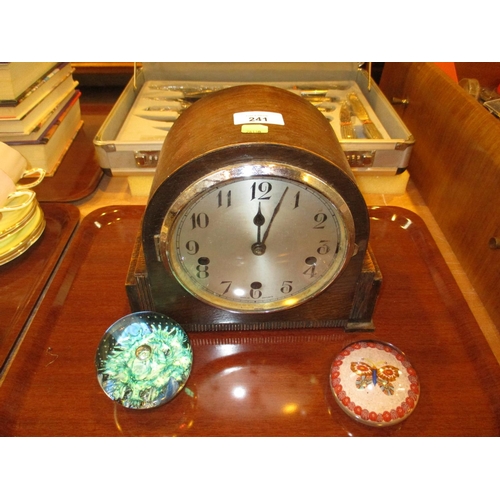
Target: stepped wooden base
[355,316]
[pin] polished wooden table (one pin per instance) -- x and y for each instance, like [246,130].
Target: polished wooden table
[272,383]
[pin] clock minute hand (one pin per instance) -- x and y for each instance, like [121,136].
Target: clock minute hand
[275,213]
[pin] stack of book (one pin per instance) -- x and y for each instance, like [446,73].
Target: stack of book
[39,111]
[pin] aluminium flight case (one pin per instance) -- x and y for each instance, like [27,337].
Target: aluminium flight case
[130,139]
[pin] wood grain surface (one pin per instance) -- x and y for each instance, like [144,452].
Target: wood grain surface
[455,165]
[487,73]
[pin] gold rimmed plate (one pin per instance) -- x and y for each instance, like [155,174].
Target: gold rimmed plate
[17,243]
[15,220]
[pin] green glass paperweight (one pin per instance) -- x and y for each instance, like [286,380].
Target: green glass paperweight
[143,360]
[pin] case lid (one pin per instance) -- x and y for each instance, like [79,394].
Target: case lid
[143,360]
[374,383]
[248,71]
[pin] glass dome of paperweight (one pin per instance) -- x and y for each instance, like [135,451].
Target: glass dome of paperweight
[374,383]
[143,360]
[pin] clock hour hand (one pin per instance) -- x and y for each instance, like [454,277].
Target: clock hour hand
[275,213]
[259,220]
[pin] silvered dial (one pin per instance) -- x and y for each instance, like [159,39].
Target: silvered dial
[257,243]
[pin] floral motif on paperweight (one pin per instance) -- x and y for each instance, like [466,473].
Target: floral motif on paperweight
[143,360]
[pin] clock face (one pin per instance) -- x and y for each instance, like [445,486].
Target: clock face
[257,238]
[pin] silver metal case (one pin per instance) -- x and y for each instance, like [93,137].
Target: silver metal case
[137,154]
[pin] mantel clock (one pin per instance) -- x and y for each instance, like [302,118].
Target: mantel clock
[254,220]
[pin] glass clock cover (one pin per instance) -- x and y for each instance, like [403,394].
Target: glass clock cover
[143,360]
[374,383]
[260,243]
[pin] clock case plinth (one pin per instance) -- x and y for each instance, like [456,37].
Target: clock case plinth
[203,139]
[335,309]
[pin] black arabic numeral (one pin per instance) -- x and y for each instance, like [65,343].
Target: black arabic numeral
[202,268]
[255,290]
[201,220]
[220,199]
[228,283]
[255,294]
[286,287]
[323,249]
[320,218]
[264,188]
[311,270]
[192,247]
[297,198]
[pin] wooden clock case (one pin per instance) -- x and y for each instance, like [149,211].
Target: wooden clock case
[203,139]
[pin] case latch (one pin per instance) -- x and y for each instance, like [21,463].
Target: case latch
[145,159]
[360,158]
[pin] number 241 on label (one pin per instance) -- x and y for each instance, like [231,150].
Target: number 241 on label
[267,117]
